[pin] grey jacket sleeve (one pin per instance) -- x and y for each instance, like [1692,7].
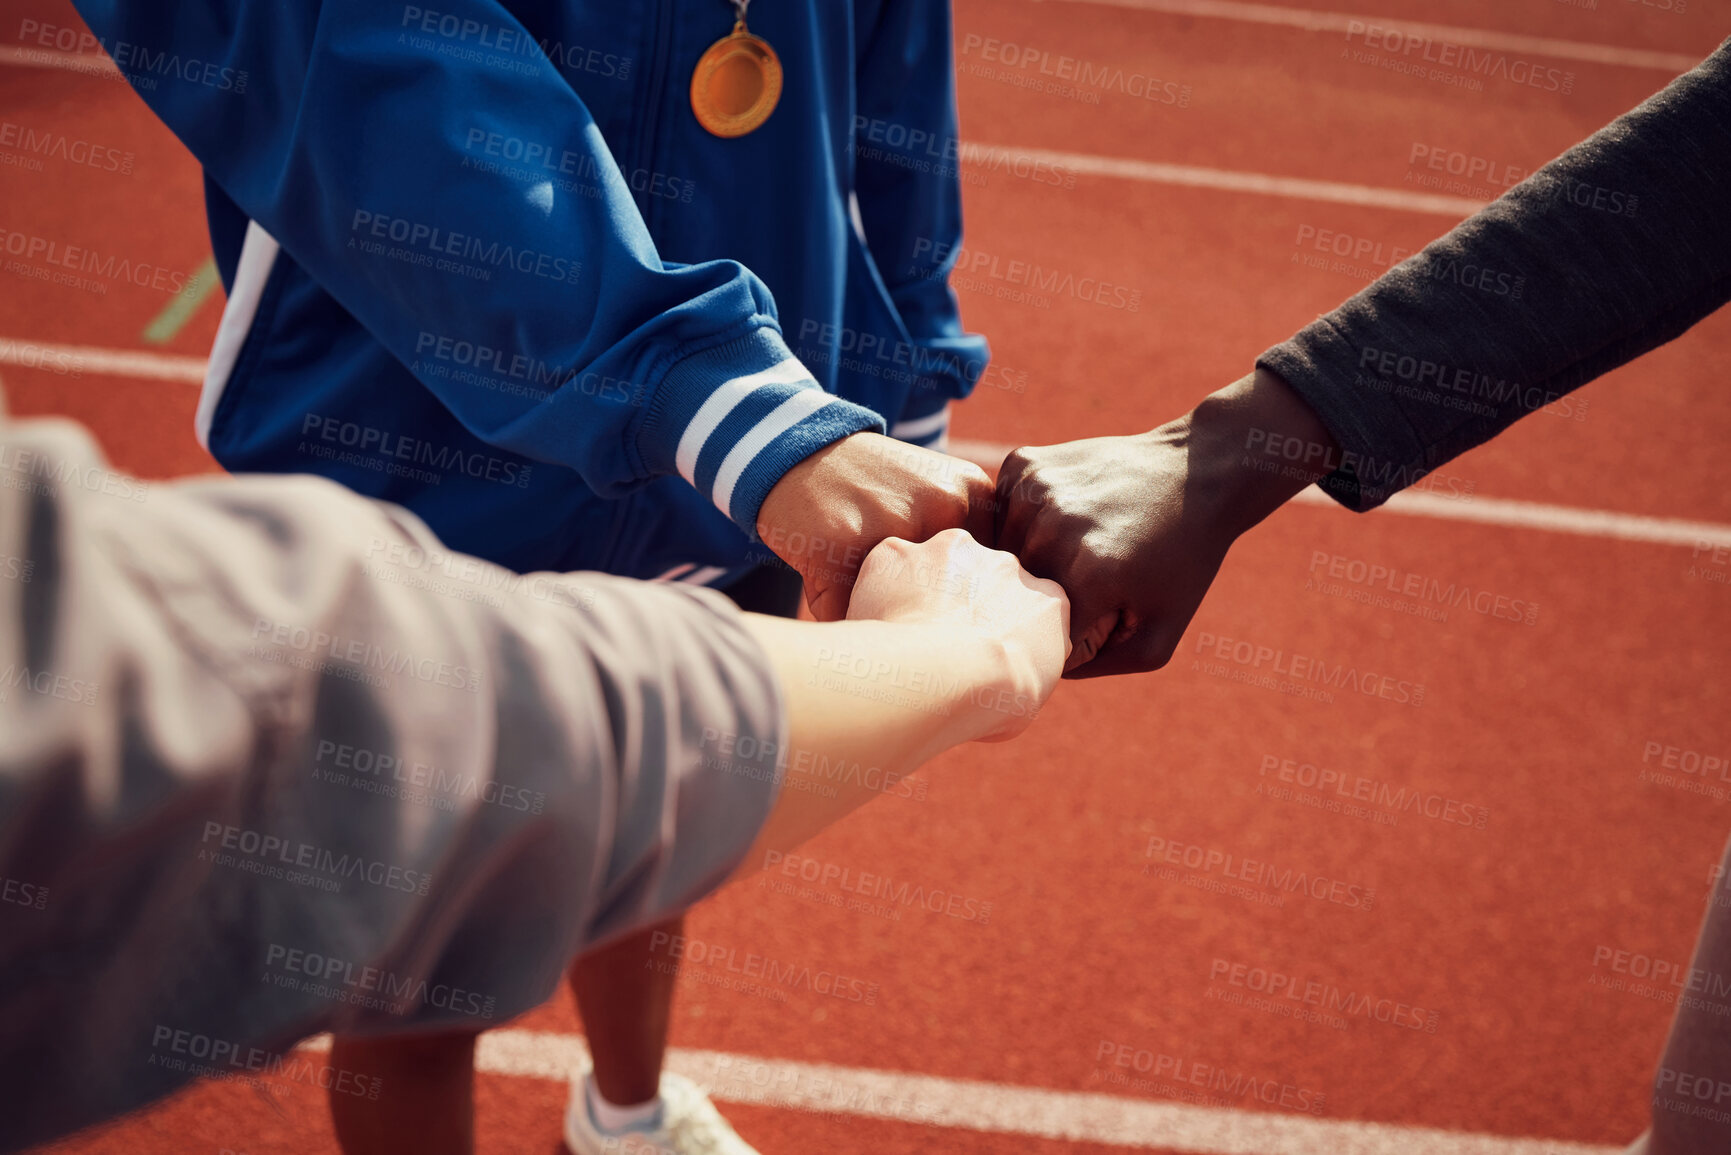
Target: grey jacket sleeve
[1614,248]
[272,762]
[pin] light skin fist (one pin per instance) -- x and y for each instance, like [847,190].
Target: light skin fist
[952,581]
[828,512]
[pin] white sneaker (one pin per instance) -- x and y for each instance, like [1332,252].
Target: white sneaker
[690,1125]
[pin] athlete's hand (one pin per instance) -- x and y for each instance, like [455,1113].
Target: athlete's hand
[1135,528]
[952,581]
[828,512]
[1116,521]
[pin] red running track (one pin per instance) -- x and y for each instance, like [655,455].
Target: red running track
[1540,726]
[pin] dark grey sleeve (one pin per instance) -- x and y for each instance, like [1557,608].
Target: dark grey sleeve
[272,762]
[1614,248]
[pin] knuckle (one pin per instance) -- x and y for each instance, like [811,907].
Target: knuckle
[1028,488]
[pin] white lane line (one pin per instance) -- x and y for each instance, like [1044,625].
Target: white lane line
[1075,1116]
[989,455]
[1552,518]
[1194,176]
[1343,22]
[1232,180]
[1482,510]
[1244,13]
[79,359]
[89,63]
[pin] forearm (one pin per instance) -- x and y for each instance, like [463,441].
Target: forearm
[868,702]
[1617,246]
[242,695]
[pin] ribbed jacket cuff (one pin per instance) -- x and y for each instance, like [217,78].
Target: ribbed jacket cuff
[733,418]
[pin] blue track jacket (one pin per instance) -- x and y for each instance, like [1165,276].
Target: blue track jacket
[483,261]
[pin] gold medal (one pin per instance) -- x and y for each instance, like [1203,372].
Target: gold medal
[737,82]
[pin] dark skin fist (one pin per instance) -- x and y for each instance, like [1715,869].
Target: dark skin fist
[1135,528]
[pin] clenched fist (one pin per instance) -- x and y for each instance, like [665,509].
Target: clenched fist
[832,509]
[953,580]
[1135,528]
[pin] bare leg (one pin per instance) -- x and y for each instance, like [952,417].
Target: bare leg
[627,1008]
[426,1100]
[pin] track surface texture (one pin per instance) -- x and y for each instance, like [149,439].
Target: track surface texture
[1074,946]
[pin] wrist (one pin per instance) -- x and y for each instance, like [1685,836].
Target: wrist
[792,494]
[998,684]
[1253,446]
[736,418]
